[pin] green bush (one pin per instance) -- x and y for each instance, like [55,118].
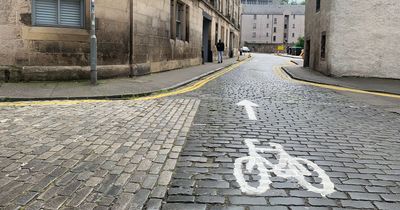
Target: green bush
[300,42]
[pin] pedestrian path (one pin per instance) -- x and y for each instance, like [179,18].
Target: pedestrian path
[367,84]
[110,88]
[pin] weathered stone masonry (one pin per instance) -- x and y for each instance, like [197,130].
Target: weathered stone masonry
[30,52]
[361,39]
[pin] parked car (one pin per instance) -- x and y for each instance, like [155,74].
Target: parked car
[245,49]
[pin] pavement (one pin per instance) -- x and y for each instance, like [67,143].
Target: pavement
[110,88]
[368,84]
[296,146]
[289,56]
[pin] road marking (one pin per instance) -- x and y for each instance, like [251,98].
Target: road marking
[48,103]
[288,167]
[190,88]
[283,75]
[249,106]
[194,86]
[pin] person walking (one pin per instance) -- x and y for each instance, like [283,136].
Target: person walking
[221,49]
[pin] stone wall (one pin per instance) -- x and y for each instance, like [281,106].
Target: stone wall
[26,50]
[262,47]
[23,45]
[361,37]
[318,22]
[365,38]
[49,46]
[225,27]
[154,50]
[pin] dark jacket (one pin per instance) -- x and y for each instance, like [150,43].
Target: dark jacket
[220,46]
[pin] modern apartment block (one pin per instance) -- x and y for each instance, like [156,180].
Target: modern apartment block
[50,39]
[350,38]
[265,26]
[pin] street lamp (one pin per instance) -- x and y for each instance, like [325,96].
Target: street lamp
[93,45]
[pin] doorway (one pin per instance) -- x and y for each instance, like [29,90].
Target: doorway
[206,49]
[231,44]
[307,54]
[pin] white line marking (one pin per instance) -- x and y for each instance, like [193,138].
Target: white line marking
[287,167]
[248,105]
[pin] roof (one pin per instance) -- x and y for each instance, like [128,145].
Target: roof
[251,9]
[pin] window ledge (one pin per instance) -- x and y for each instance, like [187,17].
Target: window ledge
[55,34]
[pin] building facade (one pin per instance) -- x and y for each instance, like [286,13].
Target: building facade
[349,38]
[266,26]
[50,39]
[261,2]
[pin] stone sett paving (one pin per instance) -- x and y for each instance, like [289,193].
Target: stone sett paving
[357,144]
[116,155]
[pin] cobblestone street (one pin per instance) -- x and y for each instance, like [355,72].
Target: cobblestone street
[357,144]
[195,151]
[118,154]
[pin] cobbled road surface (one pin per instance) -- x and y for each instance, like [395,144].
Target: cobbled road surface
[178,153]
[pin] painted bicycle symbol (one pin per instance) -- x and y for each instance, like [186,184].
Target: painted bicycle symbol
[288,167]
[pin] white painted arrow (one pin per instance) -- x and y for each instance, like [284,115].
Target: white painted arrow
[248,105]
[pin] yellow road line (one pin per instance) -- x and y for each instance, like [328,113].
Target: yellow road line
[190,88]
[283,75]
[194,86]
[47,103]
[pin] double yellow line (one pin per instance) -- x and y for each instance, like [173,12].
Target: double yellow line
[186,89]
[282,74]
[49,103]
[194,86]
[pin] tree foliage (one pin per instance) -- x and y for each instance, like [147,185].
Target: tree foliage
[300,42]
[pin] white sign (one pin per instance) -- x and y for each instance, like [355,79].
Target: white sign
[287,167]
[248,105]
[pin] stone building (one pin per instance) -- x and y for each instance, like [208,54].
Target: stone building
[261,2]
[353,38]
[267,25]
[49,39]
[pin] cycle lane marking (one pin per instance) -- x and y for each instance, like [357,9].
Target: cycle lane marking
[249,107]
[287,167]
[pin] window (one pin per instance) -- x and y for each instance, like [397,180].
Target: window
[187,21]
[323,46]
[285,26]
[274,38]
[284,35]
[275,21]
[267,25]
[293,35]
[216,33]
[318,6]
[254,25]
[294,16]
[63,13]
[294,25]
[274,29]
[254,34]
[267,16]
[255,17]
[267,34]
[179,21]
